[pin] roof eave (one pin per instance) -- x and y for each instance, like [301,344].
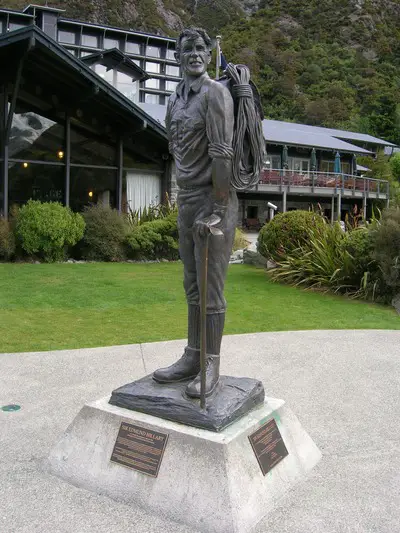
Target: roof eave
[33,32]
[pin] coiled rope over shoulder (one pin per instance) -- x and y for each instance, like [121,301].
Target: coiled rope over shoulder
[248,139]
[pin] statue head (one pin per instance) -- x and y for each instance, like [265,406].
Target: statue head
[193,51]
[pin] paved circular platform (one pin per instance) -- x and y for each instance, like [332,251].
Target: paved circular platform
[344,386]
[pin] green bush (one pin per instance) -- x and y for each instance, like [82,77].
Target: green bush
[336,261]
[317,262]
[240,240]
[151,212]
[387,251]
[46,229]
[286,232]
[157,239]
[363,270]
[363,273]
[105,234]
[7,240]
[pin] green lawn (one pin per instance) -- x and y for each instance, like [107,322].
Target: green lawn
[47,307]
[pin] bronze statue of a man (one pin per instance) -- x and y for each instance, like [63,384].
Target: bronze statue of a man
[200,124]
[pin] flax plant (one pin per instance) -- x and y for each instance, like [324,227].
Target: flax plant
[325,263]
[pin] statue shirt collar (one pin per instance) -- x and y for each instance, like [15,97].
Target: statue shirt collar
[195,86]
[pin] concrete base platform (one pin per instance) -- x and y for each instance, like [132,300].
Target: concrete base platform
[209,481]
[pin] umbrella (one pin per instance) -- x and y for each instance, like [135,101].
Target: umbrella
[337,168]
[354,165]
[313,160]
[285,157]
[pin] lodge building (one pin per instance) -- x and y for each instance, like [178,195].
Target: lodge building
[81,121]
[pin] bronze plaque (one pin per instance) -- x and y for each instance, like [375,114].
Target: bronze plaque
[139,448]
[268,446]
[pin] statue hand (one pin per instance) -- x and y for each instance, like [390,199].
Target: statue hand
[204,226]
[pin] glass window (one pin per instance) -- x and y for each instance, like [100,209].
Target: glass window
[170,54]
[123,78]
[92,186]
[90,40]
[327,166]
[153,51]
[172,70]
[137,62]
[83,54]
[100,70]
[15,26]
[110,43]
[151,98]
[132,48]
[272,162]
[130,90]
[1,26]
[66,37]
[72,51]
[299,165]
[36,138]
[37,181]
[152,83]
[91,151]
[153,67]
[170,85]
[345,167]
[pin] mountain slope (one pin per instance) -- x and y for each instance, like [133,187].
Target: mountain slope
[334,63]
[159,16]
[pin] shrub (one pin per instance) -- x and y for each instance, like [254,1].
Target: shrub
[105,234]
[46,229]
[286,232]
[316,263]
[151,212]
[7,240]
[336,261]
[239,240]
[359,244]
[363,274]
[387,251]
[157,239]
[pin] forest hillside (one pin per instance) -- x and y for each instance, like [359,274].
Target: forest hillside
[332,63]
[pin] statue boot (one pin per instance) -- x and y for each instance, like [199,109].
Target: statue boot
[215,328]
[212,378]
[188,366]
[185,368]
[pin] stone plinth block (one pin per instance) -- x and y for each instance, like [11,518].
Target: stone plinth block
[233,398]
[210,481]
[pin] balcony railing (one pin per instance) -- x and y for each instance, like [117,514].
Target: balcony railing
[344,182]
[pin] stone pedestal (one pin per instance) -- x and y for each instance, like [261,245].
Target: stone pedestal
[209,481]
[233,398]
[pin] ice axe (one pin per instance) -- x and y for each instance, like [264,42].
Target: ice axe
[211,230]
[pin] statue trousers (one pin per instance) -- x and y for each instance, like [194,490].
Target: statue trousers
[195,205]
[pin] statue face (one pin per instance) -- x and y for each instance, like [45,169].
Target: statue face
[194,56]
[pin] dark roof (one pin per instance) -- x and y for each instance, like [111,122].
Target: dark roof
[48,62]
[114,58]
[294,135]
[118,30]
[14,12]
[273,135]
[281,126]
[31,8]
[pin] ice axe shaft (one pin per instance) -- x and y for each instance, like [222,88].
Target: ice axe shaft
[203,315]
